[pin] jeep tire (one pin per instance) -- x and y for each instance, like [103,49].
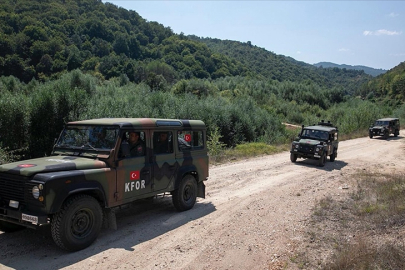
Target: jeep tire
[293,157]
[396,133]
[78,223]
[322,160]
[386,134]
[185,196]
[333,156]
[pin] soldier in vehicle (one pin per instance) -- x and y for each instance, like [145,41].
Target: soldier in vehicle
[163,143]
[136,145]
[100,139]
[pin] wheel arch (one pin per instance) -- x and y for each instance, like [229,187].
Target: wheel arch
[94,190]
[191,170]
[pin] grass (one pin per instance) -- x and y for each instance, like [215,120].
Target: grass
[247,150]
[364,230]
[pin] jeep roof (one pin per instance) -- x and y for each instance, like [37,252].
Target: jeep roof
[387,119]
[324,126]
[144,122]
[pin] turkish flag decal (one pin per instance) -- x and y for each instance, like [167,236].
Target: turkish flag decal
[187,138]
[134,175]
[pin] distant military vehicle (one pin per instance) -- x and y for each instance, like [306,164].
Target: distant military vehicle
[316,142]
[384,127]
[97,166]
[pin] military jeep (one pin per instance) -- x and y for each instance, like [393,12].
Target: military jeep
[384,127]
[316,142]
[92,172]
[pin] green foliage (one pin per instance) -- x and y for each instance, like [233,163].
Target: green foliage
[390,85]
[264,64]
[47,38]
[255,149]
[214,145]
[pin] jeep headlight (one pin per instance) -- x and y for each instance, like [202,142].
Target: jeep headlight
[318,149]
[36,190]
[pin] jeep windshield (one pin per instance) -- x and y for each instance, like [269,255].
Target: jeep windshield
[85,138]
[381,123]
[314,134]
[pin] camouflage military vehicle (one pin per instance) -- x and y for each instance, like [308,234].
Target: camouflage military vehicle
[316,142]
[94,170]
[384,127]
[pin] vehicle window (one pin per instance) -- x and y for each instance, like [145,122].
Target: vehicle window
[315,134]
[162,142]
[190,140]
[88,137]
[133,144]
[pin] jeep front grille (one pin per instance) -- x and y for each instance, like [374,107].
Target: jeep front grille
[306,149]
[14,187]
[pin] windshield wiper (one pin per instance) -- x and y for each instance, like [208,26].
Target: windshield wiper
[89,146]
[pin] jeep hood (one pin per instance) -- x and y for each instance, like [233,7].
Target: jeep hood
[379,127]
[51,164]
[309,141]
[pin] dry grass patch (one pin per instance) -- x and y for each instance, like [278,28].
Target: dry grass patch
[365,230]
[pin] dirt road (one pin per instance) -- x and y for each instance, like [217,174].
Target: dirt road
[254,216]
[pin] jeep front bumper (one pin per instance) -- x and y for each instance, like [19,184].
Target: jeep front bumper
[15,216]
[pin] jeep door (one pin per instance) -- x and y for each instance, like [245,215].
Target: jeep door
[164,162]
[133,169]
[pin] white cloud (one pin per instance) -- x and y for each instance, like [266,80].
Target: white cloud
[298,52]
[392,14]
[381,32]
[343,50]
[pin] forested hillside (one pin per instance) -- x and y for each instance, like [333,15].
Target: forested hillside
[388,87]
[64,60]
[42,39]
[281,68]
[371,71]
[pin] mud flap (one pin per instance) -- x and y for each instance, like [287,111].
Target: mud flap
[201,190]
[109,219]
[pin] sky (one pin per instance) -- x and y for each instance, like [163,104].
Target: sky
[366,33]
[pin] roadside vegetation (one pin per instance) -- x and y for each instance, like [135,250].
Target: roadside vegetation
[245,114]
[363,230]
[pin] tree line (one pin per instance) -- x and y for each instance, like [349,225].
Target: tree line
[241,109]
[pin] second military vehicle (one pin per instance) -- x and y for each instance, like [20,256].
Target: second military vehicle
[316,142]
[98,166]
[384,127]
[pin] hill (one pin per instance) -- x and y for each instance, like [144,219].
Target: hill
[44,39]
[368,70]
[389,86]
[282,68]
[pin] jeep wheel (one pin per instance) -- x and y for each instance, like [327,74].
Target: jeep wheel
[185,196]
[370,135]
[386,135]
[396,133]
[78,223]
[9,227]
[293,157]
[322,160]
[333,156]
